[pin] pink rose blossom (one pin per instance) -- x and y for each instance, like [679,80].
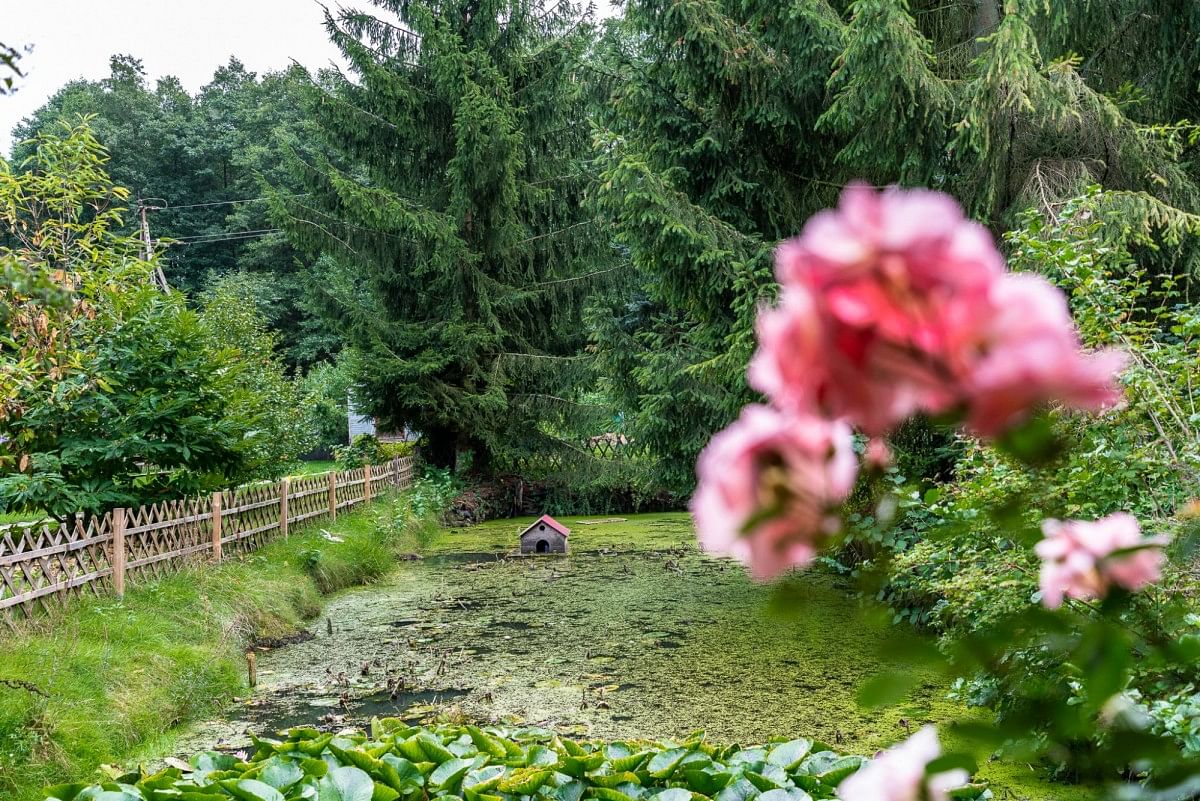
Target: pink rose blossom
[881,284]
[894,303]
[898,774]
[783,477]
[1026,352]
[807,363]
[1079,559]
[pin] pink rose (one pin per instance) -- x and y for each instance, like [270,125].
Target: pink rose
[1025,352]
[894,303]
[769,488]
[1080,558]
[898,774]
[808,363]
[874,290]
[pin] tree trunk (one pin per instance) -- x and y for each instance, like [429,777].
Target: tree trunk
[987,19]
[442,449]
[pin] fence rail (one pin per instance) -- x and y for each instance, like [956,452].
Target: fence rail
[43,565]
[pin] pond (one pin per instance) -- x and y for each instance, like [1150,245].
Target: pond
[634,634]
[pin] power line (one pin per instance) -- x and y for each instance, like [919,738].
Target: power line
[223,233]
[230,202]
[228,236]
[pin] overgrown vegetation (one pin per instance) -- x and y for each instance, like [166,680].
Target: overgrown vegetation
[89,685]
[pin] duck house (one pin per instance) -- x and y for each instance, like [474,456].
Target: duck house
[545,535]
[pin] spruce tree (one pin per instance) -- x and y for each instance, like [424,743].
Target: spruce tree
[729,122]
[458,249]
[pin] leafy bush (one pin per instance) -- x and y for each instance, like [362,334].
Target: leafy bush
[113,392]
[364,449]
[231,320]
[398,761]
[326,388]
[367,449]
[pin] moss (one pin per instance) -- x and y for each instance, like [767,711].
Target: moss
[635,634]
[123,673]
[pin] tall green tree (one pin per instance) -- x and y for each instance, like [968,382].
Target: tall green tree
[458,247]
[728,122]
[204,158]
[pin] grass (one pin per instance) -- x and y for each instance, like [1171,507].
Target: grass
[108,675]
[314,467]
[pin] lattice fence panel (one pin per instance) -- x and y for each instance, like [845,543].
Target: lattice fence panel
[350,488]
[44,564]
[162,537]
[402,475]
[309,498]
[250,518]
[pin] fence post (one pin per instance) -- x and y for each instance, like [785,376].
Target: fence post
[118,551]
[333,494]
[395,471]
[285,489]
[216,526]
[367,483]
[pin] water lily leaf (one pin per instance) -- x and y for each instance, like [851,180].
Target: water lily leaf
[481,780]
[279,773]
[434,750]
[607,794]
[840,769]
[407,775]
[570,747]
[448,774]
[629,761]
[706,782]
[789,794]
[211,760]
[740,790]
[571,791]
[578,765]
[486,743]
[663,764]
[673,794]
[818,763]
[346,784]
[617,750]
[541,756]
[788,755]
[748,755]
[411,748]
[605,779]
[120,793]
[773,777]
[251,790]
[525,781]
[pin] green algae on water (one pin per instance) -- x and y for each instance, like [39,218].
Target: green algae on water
[634,634]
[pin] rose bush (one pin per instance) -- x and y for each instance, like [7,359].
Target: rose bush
[894,306]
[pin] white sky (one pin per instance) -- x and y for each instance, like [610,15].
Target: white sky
[185,38]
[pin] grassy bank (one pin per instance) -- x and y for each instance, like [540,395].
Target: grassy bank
[106,675]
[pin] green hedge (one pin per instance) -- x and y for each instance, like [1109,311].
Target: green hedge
[397,761]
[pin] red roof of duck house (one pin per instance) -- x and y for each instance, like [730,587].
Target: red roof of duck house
[554,524]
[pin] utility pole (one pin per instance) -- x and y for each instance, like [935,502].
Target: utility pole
[158,277]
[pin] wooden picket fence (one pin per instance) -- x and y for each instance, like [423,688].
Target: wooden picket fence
[43,565]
